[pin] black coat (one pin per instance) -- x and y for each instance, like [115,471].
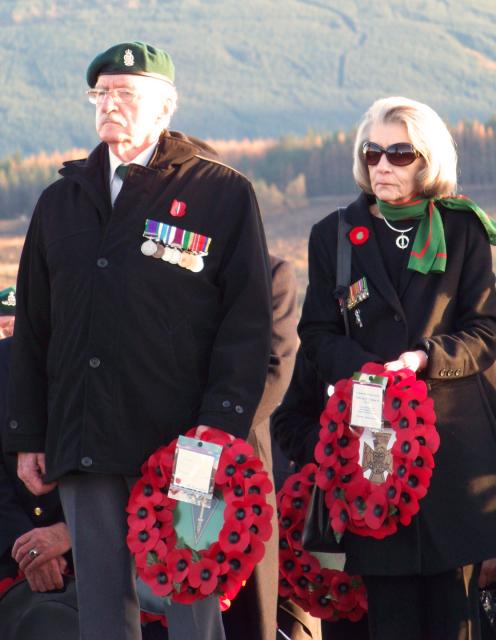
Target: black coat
[20,510]
[116,353]
[456,312]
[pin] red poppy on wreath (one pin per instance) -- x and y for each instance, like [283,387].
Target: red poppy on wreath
[359,235]
[158,575]
[255,551]
[164,561]
[370,490]
[301,576]
[203,575]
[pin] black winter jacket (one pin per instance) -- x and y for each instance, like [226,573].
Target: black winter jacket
[116,353]
[456,312]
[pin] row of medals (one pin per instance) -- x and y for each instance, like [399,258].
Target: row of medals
[185,259]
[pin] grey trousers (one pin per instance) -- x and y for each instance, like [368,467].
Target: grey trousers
[95,511]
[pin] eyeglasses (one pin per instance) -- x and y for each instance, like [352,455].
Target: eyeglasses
[119,96]
[400,154]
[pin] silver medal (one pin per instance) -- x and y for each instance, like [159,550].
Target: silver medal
[174,256]
[148,248]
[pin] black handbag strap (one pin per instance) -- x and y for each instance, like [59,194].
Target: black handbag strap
[343,267]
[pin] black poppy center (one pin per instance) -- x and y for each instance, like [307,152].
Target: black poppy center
[148,490]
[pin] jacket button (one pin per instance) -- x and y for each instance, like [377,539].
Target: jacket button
[13,424]
[226,404]
[94,363]
[86,461]
[37,511]
[449,373]
[102,263]
[442,373]
[458,372]
[397,317]
[239,409]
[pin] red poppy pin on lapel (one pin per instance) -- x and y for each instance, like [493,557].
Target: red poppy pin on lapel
[178,208]
[359,235]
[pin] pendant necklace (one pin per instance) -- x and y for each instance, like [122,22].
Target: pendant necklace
[402,241]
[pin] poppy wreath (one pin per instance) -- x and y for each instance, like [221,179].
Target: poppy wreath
[325,593]
[355,503]
[171,568]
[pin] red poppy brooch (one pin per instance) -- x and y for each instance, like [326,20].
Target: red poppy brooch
[370,488]
[164,561]
[329,594]
[359,235]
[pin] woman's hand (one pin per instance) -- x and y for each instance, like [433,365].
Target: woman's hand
[413,360]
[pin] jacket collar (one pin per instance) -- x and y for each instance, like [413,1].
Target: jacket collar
[92,173]
[368,256]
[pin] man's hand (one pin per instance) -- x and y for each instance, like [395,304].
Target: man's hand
[49,542]
[31,469]
[47,577]
[413,360]
[488,573]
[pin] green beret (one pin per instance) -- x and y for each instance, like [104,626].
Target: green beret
[7,301]
[135,58]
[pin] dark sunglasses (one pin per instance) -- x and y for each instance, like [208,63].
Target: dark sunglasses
[400,154]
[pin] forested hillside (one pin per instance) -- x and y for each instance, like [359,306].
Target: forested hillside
[257,68]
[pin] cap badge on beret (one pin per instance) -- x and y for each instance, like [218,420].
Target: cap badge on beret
[128,58]
[134,58]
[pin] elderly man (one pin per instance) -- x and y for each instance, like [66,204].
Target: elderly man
[143,309]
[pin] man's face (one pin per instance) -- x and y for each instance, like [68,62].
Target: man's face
[135,123]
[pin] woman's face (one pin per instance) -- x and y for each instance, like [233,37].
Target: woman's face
[389,182]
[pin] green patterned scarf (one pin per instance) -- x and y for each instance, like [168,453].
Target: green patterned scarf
[429,247]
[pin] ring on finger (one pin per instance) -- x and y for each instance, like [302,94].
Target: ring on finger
[33,553]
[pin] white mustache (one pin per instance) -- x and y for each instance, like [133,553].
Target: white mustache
[114,121]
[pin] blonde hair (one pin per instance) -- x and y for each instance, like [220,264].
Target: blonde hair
[428,134]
